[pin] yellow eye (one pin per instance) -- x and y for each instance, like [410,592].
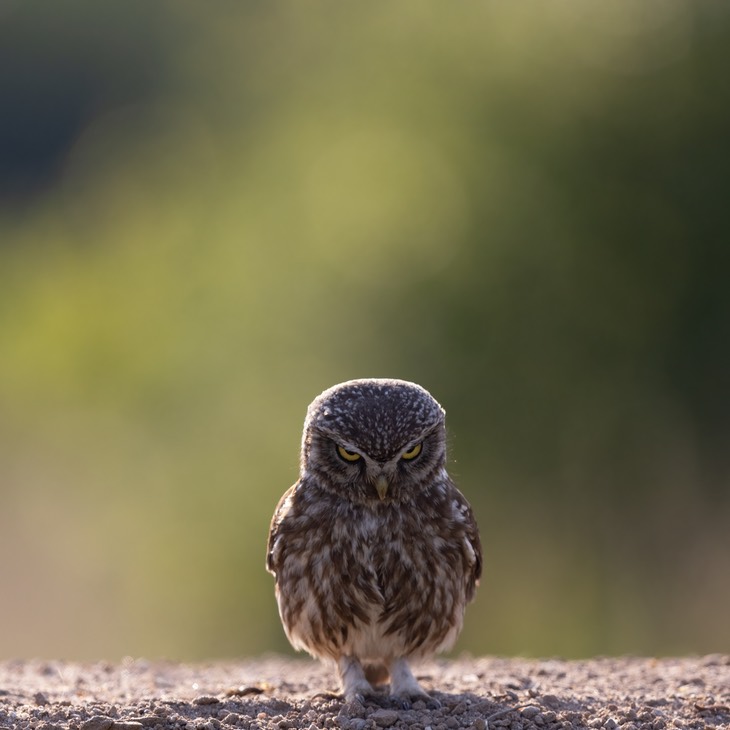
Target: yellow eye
[347,455]
[412,453]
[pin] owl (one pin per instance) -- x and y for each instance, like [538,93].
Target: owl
[375,551]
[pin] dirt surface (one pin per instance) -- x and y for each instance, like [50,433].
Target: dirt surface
[280,694]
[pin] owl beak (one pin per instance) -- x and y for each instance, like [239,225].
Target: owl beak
[381,486]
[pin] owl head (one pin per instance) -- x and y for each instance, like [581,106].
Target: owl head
[374,440]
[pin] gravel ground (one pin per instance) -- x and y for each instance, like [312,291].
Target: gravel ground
[279,693]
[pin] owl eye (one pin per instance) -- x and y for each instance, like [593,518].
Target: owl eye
[412,453]
[347,455]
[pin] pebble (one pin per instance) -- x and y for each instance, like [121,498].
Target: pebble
[206,700]
[384,718]
[530,711]
[40,699]
[97,723]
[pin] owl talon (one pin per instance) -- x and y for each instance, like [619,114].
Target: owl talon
[355,698]
[406,703]
[326,696]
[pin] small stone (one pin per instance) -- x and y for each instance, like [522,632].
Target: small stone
[97,723]
[206,700]
[242,691]
[480,724]
[40,699]
[610,724]
[384,718]
[127,725]
[150,721]
[530,711]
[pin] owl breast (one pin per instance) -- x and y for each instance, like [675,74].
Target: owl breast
[372,581]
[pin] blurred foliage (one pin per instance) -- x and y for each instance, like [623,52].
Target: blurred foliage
[208,215]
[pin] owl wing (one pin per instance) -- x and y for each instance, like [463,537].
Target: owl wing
[472,545]
[272,545]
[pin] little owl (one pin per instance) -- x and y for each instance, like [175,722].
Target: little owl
[375,551]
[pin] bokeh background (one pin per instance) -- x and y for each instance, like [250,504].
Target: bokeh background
[211,212]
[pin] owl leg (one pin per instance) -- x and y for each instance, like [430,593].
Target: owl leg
[404,686]
[355,686]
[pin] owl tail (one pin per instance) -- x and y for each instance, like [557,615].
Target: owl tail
[376,673]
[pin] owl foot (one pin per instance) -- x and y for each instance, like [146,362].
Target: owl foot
[355,686]
[406,703]
[404,687]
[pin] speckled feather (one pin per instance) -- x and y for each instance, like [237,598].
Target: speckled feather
[377,415]
[364,578]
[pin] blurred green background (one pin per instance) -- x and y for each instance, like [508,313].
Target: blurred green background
[211,212]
